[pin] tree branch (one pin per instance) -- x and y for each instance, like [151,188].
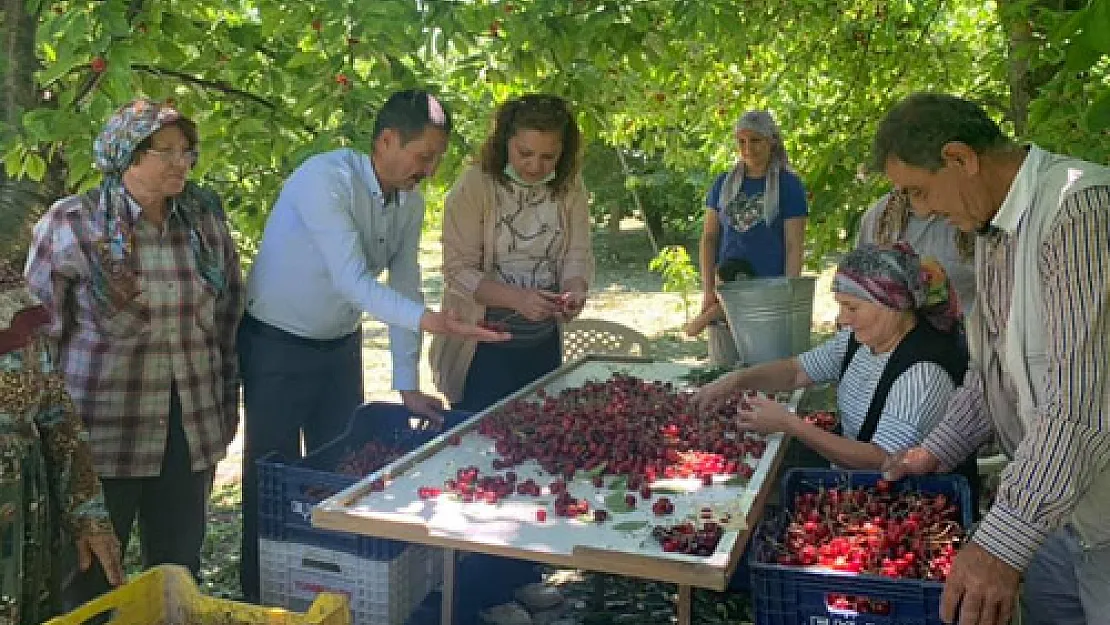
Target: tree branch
[221,86]
[93,79]
[214,85]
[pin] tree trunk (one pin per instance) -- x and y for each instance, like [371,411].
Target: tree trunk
[653,220]
[21,199]
[652,238]
[616,214]
[1020,46]
[18,63]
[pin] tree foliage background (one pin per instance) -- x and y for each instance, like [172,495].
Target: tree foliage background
[657,85]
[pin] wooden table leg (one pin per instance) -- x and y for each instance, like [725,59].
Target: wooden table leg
[685,604]
[447,605]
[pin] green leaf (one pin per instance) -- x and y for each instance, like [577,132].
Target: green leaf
[1082,53]
[36,124]
[736,480]
[668,490]
[1098,116]
[34,166]
[630,526]
[596,471]
[619,484]
[1098,24]
[13,160]
[616,504]
[65,64]
[303,58]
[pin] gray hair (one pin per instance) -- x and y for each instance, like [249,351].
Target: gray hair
[917,128]
[759,121]
[762,122]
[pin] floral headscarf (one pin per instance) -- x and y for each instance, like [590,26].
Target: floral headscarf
[113,153]
[743,214]
[115,147]
[895,214]
[896,277]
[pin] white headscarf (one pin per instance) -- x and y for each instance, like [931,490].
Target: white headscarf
[761,123]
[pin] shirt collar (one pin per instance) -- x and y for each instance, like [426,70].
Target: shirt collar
[135,210]
[366,165]
[1022,191]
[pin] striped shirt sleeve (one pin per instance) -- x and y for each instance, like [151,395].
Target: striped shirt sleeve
[914,405]
[822,363]
[1068,441]
[965,425]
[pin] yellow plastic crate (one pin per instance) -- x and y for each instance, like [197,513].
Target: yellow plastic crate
[167,595]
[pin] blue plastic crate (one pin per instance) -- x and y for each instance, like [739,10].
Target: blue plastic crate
[287,491]
[791,595]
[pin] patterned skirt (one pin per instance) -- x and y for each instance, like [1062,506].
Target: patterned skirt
[29,536]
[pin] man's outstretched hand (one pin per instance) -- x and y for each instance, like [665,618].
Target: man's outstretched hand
[449,322]
[427,407]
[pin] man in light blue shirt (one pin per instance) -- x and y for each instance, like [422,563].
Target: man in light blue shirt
[342,219]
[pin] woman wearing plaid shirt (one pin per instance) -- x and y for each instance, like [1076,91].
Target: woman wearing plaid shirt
[142,279]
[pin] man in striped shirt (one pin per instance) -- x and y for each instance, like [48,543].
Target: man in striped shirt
[1040,345]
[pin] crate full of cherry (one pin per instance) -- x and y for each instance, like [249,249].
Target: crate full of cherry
[377,433]
[851,548]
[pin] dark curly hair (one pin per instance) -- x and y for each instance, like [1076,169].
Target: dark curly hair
[546,113]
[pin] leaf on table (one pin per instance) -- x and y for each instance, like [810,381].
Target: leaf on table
[630,526]
[596,471]
[616,504]
[669,490]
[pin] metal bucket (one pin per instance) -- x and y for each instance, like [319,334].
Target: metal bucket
[770,318]
[722,349]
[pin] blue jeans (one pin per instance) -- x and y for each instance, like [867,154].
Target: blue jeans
[1067,583]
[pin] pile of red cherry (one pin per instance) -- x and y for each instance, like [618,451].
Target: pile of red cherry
[857,604]
[876,530]
[372,456]
[622,426]
[470,485]
[823,419]
[695,539]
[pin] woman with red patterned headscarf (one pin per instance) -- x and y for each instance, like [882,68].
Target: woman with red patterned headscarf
[898,359]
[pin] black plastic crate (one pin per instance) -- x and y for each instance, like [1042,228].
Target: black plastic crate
[289,489]
[792,595]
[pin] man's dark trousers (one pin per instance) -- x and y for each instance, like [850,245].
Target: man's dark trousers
[291,386]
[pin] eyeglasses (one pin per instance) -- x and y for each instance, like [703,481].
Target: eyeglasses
[170,157]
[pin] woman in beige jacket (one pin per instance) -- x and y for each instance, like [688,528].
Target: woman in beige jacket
[516,252]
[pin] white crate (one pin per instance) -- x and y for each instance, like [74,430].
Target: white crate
[381,592]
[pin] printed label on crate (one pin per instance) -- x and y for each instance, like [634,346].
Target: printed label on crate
[302,508]
[306,585]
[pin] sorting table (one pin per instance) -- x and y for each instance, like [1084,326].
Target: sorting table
[622,545]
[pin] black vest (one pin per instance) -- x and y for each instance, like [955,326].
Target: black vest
[923,344]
